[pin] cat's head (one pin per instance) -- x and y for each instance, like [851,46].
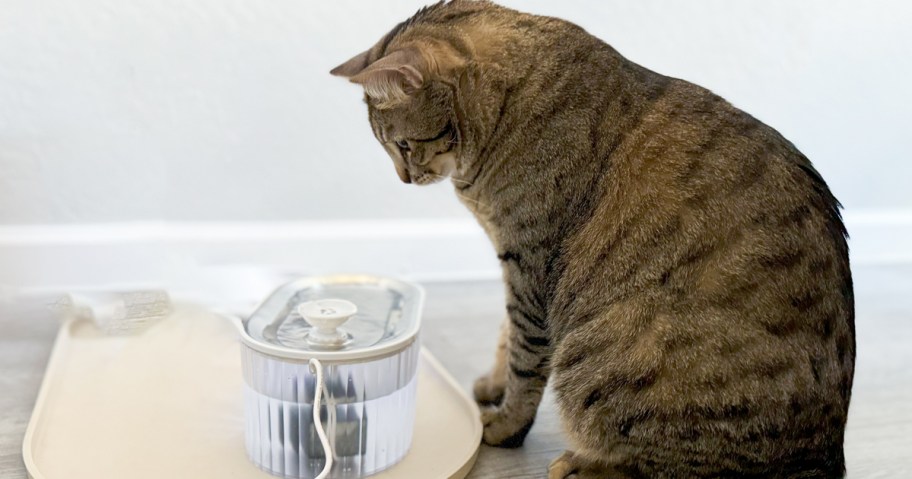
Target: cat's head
[435,86]
[410,99]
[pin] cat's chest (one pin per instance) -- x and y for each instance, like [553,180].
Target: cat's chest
[512,225]
[485,215]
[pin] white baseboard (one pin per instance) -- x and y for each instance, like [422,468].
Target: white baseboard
[879,236]
[66,256]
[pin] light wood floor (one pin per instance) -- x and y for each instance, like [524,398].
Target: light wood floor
[461,324]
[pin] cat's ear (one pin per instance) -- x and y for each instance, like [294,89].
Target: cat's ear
[389,80]
[353,66]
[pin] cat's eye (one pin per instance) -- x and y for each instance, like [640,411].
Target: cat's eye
[403,145]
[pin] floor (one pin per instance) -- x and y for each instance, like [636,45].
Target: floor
[461,323]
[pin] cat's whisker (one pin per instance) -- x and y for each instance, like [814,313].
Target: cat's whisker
[464,182]
[455,180]
[466,198]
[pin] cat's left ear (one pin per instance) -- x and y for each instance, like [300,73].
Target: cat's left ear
[389,80]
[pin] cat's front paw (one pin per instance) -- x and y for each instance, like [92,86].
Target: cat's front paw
[501,430]
[489,391]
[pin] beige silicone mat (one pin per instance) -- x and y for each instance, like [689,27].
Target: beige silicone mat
[167,403]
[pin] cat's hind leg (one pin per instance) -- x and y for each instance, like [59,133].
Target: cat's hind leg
[570,465]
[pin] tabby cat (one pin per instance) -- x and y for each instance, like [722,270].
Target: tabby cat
[677,269]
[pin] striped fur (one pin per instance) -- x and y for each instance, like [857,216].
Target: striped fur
[676,269]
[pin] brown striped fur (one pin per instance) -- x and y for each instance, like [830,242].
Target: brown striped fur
[674,267]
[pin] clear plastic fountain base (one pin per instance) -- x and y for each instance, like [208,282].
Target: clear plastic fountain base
[368,413]
[363,331]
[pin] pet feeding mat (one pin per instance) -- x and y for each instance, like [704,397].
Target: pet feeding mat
[168,402]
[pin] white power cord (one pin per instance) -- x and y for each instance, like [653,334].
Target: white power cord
[317,369]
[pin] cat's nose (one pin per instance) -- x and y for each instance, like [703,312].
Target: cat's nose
[404,175]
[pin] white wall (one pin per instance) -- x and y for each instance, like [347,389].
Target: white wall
[188,112]
[223,110]
[116,110]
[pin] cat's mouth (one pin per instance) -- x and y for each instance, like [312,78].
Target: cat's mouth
[438,169]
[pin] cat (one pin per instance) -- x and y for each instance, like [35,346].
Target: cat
[674,267]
